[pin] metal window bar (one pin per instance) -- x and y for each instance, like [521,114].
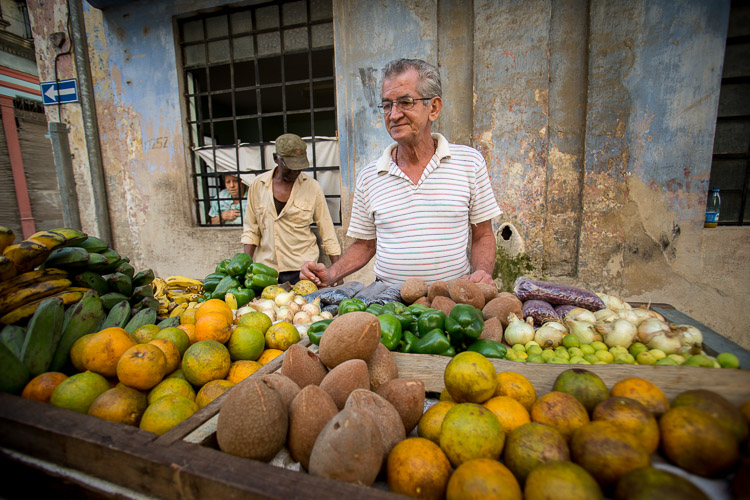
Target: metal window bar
[198,123]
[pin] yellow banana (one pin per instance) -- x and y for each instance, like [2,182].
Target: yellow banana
[27,310]
[182,281]
[31,277]
[192,304]
[7,237]
[7,268]
[48,239]
[26,255]
[10,301]
[180,300]
[159,286]
[231,300]
[178,310]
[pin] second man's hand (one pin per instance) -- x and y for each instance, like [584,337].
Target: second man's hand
[315,272]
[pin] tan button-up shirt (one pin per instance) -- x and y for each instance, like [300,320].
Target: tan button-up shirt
[285,241]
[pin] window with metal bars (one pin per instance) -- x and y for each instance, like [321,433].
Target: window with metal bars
[250,75]
[730,168]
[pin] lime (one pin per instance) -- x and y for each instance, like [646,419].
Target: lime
[658,353]
[571,341]
[561,352]
[576,360]
[531,343]
[557,361]
[617,350]
[587,349]
[598,345]
[547,354]
[511,355]
[590,357]
[636,348]
[678,358]
[246,343]
[518,348]
[605,356]
[575,351]
[666,362]
[522,355]
[646,358]
[699,360]
[534,349]
[625,358]
[255,319]
[535,358]
[728,360]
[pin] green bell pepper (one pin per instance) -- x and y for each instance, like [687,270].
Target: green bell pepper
[351,305]
[210,285]
[430,320]
[242,295]
[390,331]
[464,324]
[223,287]
[239,264]
[432,342]
[376,309]
[418,309]
[315,332]
[394,307]
[260,281]
[258,268]
[407,320]
[222,266]
[488,348]
[451,351]
[407,342]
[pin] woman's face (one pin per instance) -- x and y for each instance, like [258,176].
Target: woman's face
[233,185]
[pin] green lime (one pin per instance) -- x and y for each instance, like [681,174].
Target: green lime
[575,351]
[571,341]
[646,358]
[576,360]
[666,362]
[511,355]
[728,360]
[535,358]
[699,360]
[587,349]
[636,348]
[625,358]
[256,319]
[598,345]
[562,352]
[534,349]
[617,350]
[547,354]
[557,361]
[677,357]
[658,353]
[590,357]
[518,348]
[531,343]
[605,356]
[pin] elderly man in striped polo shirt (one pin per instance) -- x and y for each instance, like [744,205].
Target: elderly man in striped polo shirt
[416,207]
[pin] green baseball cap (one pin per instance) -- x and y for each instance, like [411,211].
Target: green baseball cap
[293,150]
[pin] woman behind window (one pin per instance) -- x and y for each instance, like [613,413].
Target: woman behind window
[230,204]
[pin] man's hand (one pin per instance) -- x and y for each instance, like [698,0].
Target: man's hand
[315,272]
[479,277]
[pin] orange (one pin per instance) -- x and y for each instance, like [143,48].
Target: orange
[171,353]
[256,319]
[103,350]
[268,355]
[508,411]
[145,333]
[177,374]
[166,412]
[431,421]
[142,366]
[78,391]
[418,468]
[214,306]
[560,410]
[170,386]
[516,386]
[76,352]
[240,370]
[281,336]
[213,326]
[483,478]
[631,416]
[211,391]
[645,392]
[41,387]
[246,342]
[562,481]
[120,404]
[204,361]
[190,330]
[175,335]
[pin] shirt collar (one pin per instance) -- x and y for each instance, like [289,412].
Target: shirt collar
[443,151]
[269,179]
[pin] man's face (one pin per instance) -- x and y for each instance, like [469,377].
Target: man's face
[407,126]
[233,185]
[287,174]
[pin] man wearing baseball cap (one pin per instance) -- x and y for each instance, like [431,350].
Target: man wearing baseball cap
[282,204]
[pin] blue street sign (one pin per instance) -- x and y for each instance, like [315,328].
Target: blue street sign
[59,92]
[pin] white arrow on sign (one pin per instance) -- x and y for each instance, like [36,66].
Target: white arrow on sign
[52,93]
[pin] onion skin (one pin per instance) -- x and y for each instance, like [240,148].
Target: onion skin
[668,342]
[618,333]
[548,336]
[581,314]
[584,331]
[650,328]
[518,331]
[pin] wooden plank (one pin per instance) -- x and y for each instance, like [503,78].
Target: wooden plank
[732,384]
[130,457]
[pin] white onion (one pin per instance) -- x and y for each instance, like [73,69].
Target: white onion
[311,308]
[690,337]
[284,298]
[270,313]
[649,328]
[302,317]
[629,315]
[548,336]
[294,307]
[613,302]
[316,317]
[582,330]
[299,299]
[264,304]
[284,314]
[668,342]
[605,315]
[326,315]
[618,333]
[557,325]
[581,314]
[518,331]
[244,310]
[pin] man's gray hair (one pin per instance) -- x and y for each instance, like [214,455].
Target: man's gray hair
[429,78]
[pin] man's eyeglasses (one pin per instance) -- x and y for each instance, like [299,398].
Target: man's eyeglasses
[404,104]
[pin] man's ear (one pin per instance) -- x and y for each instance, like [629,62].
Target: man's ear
[436,104]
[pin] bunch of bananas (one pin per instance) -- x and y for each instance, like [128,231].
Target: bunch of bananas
[176,294]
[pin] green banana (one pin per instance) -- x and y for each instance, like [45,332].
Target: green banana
[120,283]
[146,316]
[145,303]
[26,255]
[110,300]
[43,335]
[68,257]
[119,315]
[125,268]
[92,244]
[14,375]
[166,323]
[82,318]
[144,277]
[112,256]
[72,236]
[13,337]
[140,293]
[90,279]
[98,263]
[22,296]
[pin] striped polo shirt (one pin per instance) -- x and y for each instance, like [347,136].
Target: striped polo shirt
[423,230]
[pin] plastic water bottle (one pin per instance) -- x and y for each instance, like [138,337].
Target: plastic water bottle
[712,208]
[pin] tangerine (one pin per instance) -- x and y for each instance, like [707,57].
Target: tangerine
[246,342]
[561,411]
[211,391]
[204,361]
[516,386]
[171,353]
[166,412]
[189,328]
[41,387]
[281,335]
[417,467]
[142,366]
[256,319]
[482,478]
[102,352]
[471,431]
[431,421]
[213,326]
[170,386]
[240,370]
[470,378]
[145,333]
[76,352]
[177,336]
[644,391]
[120,404]
[214,306]
[269,354]
[509,412]
[630,416]
[561,480]
[188,316]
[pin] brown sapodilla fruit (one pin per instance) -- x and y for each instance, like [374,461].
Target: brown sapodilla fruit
[342,380]
[354,335]
[303,366]
[382,367]
[309,412]
[463,291]
[253,421]
[412,289]
[444,304]
[407,396]
[285,386]
[382,412]
[438,289]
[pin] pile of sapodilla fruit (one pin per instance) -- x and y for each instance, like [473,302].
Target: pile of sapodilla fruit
[339,411]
